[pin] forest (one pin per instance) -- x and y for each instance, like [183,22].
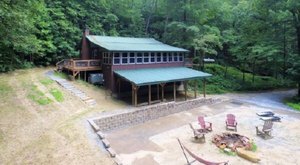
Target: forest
[258,37]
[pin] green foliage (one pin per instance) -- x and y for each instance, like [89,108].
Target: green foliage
[57,95]
[293,102]
[233,81]
[38,96]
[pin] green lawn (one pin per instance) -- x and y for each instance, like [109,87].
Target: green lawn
[293,103]
[57,95]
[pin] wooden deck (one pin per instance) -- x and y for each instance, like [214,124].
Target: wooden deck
[76,66]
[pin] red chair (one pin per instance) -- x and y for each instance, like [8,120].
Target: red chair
[205,126]
[231,123]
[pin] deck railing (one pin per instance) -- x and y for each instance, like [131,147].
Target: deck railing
[76,64]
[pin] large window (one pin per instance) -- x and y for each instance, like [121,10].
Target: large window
[106,58]
[132,58]
[146,58]
[165,57]
[124,58]
[180,56]
[139,58]
[175,56]
[117,58]
[152,58]
[170,57]
[158,57]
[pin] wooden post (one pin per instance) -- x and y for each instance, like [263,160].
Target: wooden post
[204,92]
[85,76]
[157,91]
[79,75]
[174,90]
[185,90]
[162,91]
[119,87]
[149,96]
[195,88]
[132,93]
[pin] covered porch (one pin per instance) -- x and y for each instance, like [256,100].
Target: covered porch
[158,78]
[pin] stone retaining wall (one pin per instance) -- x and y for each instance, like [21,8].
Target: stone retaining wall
[130,117]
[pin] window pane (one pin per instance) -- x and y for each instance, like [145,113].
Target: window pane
[158,57]
[146,57]
[117,54]
[131,58]
[170,57]
[175,56]
[181,57]
[139,58]
[152,57]
[165,57]
[116,61]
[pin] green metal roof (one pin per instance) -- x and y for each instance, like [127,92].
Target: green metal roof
[151,76]
[132,44]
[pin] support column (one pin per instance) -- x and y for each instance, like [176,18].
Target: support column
[79,75]
[162,91]
[185,90]
[135,96]
[174,91]
[157,91]
[195,88]
[132,94]
[204,89]
[119,87]
[85,76]
[149,96]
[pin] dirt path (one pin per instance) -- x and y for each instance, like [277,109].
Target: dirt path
[56,133]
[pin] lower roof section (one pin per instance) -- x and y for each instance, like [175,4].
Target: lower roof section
[150,76]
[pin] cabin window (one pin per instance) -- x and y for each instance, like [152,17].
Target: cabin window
[152,57]
[175,56]
[180,56]
[117,58]
[139,58]
[170,57]
[146,58]
[158,57]
[124,58]
[106,58]
[165,57]
[131,58]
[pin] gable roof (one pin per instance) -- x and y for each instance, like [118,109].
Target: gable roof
[132,44]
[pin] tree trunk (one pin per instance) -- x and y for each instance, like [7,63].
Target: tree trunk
[253,70]
[298,89]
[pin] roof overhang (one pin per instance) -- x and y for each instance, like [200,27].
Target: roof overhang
[151,76]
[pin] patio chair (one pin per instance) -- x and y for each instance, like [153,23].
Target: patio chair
[198,134]
[231,123]
[266,130]
[206,126]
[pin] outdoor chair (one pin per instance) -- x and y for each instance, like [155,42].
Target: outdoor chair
[206,126]
[231,123]
[266,130]
[198,134]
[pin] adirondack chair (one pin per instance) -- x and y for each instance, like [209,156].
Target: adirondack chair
[266,130]
[231,124]
[198,134]
[206,126]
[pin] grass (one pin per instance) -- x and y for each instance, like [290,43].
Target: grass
[233,82]
[57,94]
[46,81]
[5,89]
[38,96]
[293,102]
[61,75]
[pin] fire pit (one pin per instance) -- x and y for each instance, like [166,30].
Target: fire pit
[232,144]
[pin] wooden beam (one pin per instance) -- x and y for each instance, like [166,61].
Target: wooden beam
[162,91]
[85,76]
[204,91]
[195,88]
[149,96]
[174,90]
[185,90]
[157,91]
[79,75]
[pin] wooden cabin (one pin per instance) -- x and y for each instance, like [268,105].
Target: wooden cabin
[129,65]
